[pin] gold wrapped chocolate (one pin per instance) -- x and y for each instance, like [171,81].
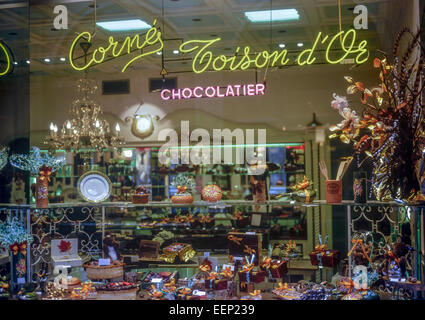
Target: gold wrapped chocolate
[183,251]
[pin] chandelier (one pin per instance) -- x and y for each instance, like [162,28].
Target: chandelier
[86,129]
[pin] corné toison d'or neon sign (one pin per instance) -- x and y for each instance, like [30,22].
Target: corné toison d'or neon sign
[4,52]
[204,59]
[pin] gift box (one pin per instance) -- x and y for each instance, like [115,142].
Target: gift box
[64,252]
[149,249]
[276,268]
[329,258]
[244,244]
[216,284]
[254,276]
[246,287]
[182,251]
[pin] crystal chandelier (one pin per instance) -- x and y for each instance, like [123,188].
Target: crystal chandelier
[86,129]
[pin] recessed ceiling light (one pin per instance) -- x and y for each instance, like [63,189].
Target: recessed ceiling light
[176,51]
[300,44]
[28,61]
[124,25]
[196,19]
[15,63]
[282,45]
[159,53]
[275,15]
[47,60]
[62,59]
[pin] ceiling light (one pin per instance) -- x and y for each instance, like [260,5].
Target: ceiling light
[28,61]
[15,63]
[159,53]
[62,59]
[124,25]
[176,51]
[275,15]
[300,44]
[47,60]
[282,45]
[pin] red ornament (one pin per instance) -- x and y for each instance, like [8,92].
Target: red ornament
[64,246]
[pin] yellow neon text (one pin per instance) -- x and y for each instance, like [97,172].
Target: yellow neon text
[335,49]
[114,49]
[6,54]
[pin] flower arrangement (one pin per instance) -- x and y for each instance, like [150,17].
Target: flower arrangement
[36,161]
[390,130]
[184,184]
[4,152]
[13,232]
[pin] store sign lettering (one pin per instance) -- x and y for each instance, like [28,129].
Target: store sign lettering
[4,53]
[336,48]
[214,92]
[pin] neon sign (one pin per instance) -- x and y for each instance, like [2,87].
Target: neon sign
[336,48]
[214,92]
[5,52]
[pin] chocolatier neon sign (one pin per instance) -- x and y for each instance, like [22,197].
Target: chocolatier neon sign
[5,52]
[336,48]
[214,92]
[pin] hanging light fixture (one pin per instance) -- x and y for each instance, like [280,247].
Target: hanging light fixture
[85,129]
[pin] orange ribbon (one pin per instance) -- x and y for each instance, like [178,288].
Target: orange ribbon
[45,173]
[181,189]
[19,247]
[249,250]
[234,239]
[227,272]
[266,262]
[255,293]
[282,286]
[357,242]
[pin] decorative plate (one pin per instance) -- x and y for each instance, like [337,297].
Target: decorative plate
[94,186]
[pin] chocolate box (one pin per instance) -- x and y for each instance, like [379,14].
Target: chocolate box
[244,244]
[254,276]
[149,249]
[216,284]
[182,251]
[277,269]
[330,258]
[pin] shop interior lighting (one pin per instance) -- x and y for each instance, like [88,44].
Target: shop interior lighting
[275,15]
[28,61]
[124,25]
[300,44]
[62,59]
[282,45]
[176,51]
[47,60]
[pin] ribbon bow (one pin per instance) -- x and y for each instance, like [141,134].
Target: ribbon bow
[227,272]
[213,276]
[282,286]
[349,284]
[266,262]
[185,291]
[249,250]
[45,173]
[181,189]
[19,247]
[249,265]
[86,288]
[234,239]
[255,293]
[170,287]
[357,242]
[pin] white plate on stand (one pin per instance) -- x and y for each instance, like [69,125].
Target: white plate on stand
[94,186]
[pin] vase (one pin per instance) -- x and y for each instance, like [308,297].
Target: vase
[42,192]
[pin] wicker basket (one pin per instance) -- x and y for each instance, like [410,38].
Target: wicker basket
[140,198]
[182,198]
[104,272]
[130,294]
